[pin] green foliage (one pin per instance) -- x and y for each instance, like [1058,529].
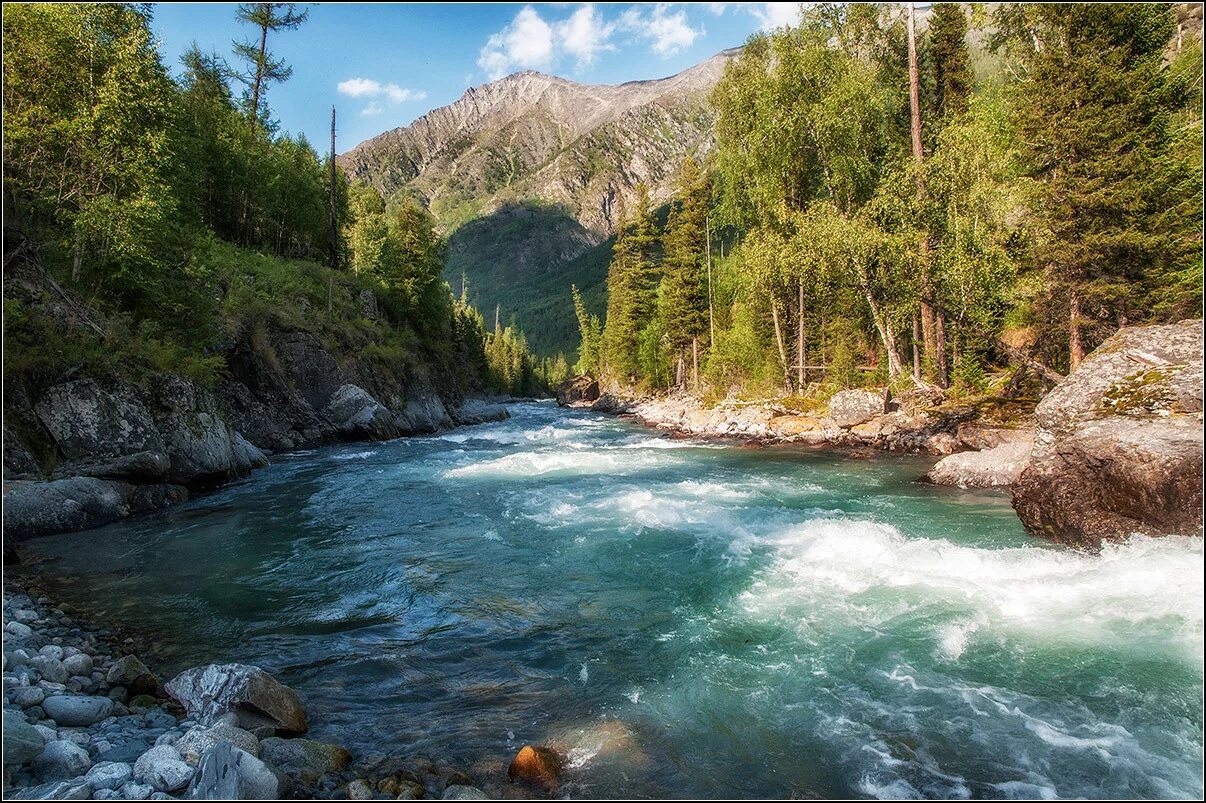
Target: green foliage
[590,337]
[629,290]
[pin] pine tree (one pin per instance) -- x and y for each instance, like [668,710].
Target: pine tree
[684,304]
[949,64]
[590,332]
[629,281]
[262,67]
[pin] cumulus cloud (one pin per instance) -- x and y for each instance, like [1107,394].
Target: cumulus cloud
[527,43]
[584,35]
[377,93]
[668,30]
[775,15]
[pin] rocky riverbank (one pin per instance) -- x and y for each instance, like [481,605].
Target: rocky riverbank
[1115,449]
[85,718]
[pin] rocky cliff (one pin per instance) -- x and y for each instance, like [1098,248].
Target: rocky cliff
[84,451]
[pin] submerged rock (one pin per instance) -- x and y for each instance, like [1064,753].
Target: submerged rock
[536,765]
[254,696]
[1118,446]
[479,411]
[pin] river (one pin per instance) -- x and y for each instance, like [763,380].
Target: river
[684,618]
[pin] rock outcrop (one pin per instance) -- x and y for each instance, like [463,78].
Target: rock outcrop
[995,467]
[254,697]
[579,391]
[1118,445]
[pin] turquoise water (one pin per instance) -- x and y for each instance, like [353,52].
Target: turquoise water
[684,619]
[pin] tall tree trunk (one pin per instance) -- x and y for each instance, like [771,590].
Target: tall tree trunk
[334,228]
[940,361]
[927,292]
[695,363]
[1076,350]
[800,338]
[916,349]
[711,314]
[259,75]
[77,257]
[885,334]
[779,341]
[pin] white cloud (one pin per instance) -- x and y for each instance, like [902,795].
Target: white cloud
[526,43]
[584,35]
[717,8]
[775,15]
[669,30]
[377,92]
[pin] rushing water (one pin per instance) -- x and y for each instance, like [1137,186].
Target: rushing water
[683,618]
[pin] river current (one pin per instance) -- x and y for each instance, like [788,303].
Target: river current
[683,618]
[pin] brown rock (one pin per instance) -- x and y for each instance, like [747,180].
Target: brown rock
[536,765]
[576,391]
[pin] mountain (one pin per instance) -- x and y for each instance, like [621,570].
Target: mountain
[527,175]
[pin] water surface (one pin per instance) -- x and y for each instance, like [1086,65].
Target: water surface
[686,619]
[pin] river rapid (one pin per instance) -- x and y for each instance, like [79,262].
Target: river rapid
[682,618]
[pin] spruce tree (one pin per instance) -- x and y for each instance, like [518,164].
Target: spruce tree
[684,301]
[629,281]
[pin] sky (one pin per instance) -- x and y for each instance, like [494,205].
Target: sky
[383,65]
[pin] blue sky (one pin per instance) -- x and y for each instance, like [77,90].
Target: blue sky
[383,65]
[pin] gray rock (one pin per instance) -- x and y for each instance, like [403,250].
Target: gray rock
[78,665]
[77,503]
[479,411]
[423,413]
[304,757]
[22,741]
[136,791]
[228,773]
[146,466]
[246,455]
[196,437]
[15,629]
[463,792]
[1118,443]
[26,696]
[89,422]
[198,741]
[133,674]
[109,775]
[359,790]
[60,761]
[19,462]
[998,467]
[52,651]
[356,414]
[162,768]
[74,789]
[579,391]
[254,696]
[50,668]
[849,408]
[77,711]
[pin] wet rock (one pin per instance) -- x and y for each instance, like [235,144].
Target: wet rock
[50,668]
[998,467]
[359,790]
[60,761]
[356,414]
[136,791]
[78,665]
[479,411]
[132,674]
[162,768]
[850,407]
[245,455]
[304,758]
[22,742]
[88,422]
[196,437]
[424,412]
[253,695]
[17,630]
[228,773]
[77,711]
[145,466]
[19,462]
[1118,443]
[26,696]
[539,766]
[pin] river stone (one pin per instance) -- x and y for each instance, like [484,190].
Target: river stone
[246,455]
[463,792]
[50,668]
[73,789]
[424,412]
[356,414]
[109,775]
[22,741]
[136,791]
[304,757]
[848,408]
[26,696]
[77,711]
[60,761]
[78,665]
[479,411]
[1118,443]
[198,741]
[228,773]
[254,696]
[581,390]
[15,629]
[536,765]
[359,790]
[133,675]
[162,768]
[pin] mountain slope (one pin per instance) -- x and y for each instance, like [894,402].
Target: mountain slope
[577,150]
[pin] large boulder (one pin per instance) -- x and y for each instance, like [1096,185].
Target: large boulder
[424,412]
[89,422]
[228,773]
[303,761]
[19,462]
[581,390]
[254,696]
[357,415]
[996,467]
[22,742]
[1118,444]
[197,438]
[479,411]
[162,768]
[77,710]
[849,408]
[34,508]
[61,760]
